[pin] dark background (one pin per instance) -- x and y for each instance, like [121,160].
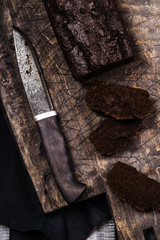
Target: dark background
[20,208]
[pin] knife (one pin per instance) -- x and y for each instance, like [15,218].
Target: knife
[46,118]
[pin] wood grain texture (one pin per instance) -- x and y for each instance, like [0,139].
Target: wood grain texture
[20,117]
[19,114]
[77,120]
[144,25]
[31,18]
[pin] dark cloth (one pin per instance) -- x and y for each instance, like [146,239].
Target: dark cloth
[20,208]
[30,235]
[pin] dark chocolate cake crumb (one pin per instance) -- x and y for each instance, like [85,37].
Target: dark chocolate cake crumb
[114,135]
[120,102]
[134,187]
[91,34]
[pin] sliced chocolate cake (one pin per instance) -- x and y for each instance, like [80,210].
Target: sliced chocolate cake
[134,187]
[113,135]
[120,102]
[91,34]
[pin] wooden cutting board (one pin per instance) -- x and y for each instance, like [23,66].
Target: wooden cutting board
[76,119]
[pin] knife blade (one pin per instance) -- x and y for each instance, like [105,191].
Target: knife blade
[46,118]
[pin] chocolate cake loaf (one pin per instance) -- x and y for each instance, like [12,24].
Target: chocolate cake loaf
[120,102]
[91,34]
[134,187]
[113,135]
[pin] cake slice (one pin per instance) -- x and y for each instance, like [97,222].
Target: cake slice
[113,135]
[120,102]
[91,34]
[134,187]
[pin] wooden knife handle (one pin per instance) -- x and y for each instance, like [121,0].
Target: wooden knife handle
[58,159]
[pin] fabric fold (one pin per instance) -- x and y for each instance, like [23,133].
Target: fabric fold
[21,210]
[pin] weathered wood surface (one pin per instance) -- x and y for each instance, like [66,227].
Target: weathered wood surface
[77,120]
[31,17]
[143,19]
[21,120]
